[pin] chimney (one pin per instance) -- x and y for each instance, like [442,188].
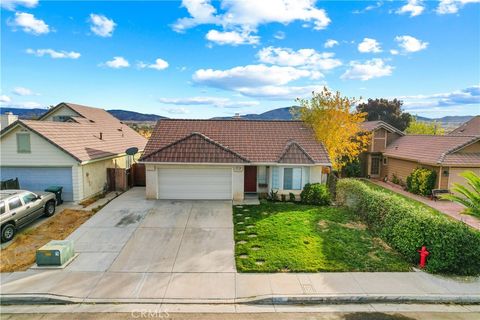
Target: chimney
[7,119]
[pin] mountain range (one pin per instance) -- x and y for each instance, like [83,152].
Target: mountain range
[275,114]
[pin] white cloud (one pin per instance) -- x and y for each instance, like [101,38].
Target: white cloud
[210,101]
[307,58]
[177,110]
[280,35]
[21,91]
[159,64]
[279,92]
[247,15]
[13,4]
[467,96]
[394,52]
[410,44]
[25,104]
[330,43]
[4,98]
[54,54]
[234,38]
[377,5]
[249,76]
[369,45]
[413,7]
[101,25]
[29,23]
[452,6]
[374,68]
[117,63]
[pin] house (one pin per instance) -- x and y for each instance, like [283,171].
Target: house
[224,159]
[70,146]
[471,127]
[447,155]
[372,160]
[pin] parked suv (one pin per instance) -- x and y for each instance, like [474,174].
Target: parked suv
[20,207]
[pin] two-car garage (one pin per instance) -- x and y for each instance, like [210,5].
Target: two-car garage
[202,183]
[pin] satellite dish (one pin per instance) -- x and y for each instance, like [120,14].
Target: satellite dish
[131,151]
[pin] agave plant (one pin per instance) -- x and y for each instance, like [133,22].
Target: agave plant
[469,197]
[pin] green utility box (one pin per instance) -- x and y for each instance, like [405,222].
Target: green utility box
[55,253]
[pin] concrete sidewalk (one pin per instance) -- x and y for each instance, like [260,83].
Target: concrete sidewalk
[35,286]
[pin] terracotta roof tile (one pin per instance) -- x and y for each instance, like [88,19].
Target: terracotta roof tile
[255,140]
[471,127]
[295,154]
[429,149]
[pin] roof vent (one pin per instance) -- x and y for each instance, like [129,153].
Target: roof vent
[101,136]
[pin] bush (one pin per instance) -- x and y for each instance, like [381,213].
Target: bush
[421,181]
[454,247]
[352,169]
[315,193]
[291,197]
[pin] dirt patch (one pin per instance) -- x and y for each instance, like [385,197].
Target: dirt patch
[381,243]
[355,225]
[20,255]
[85,203]
[323,224]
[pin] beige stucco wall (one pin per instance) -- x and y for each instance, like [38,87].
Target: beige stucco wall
[475,147]
[94,174]
[403,168]
[152,178]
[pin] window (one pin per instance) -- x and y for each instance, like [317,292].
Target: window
[14,203]
[262,175]
[29,197]
[23,143]
[375,167]
[61,118]
[275,178]
[292,178]
[2,207]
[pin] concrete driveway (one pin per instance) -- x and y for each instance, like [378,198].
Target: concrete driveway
[135,235]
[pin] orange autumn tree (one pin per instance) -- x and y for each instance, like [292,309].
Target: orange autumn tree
[336,124]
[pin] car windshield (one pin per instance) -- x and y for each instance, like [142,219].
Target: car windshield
[29,197]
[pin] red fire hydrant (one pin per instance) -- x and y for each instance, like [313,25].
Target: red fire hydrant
[423,256]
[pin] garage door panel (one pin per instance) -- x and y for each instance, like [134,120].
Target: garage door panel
[37,179]
[210,184]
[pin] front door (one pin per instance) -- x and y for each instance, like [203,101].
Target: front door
[250,179]
[375,166]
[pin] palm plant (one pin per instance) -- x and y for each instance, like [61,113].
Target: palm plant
[469,197]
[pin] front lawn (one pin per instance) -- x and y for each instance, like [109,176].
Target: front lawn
[276,237]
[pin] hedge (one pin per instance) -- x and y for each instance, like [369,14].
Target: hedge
[454,247]
[421,181]
[315,193]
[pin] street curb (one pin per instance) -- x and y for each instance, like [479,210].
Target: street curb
[48,299]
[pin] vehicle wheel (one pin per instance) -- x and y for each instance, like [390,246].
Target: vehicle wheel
[8,232]
[50,208]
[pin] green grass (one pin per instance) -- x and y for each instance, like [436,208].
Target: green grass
[410,200]
[303,238]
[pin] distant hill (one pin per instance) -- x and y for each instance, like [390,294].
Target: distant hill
[275,114]
[447,119]
[122,115]
[125,115]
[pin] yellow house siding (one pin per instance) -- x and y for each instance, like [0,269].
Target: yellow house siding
[403,168]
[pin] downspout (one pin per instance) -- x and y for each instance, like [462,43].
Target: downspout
[440,177]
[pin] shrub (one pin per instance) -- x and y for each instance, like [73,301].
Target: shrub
[469,197]
[315,193]
[421,181]
[273,195]
[396,179]
[291,197]
[332,179]
[454,247]
[352,169]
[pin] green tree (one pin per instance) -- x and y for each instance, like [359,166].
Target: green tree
[386,110]
[469,196]
[421,127]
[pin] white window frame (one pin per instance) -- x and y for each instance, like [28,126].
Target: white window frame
[293,171]
[25,134]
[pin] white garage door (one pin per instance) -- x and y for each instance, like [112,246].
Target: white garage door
[195,184]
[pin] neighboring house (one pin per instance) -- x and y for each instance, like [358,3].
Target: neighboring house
[71,146]
[372,161]
[224,159]
[470,128]
[448,155]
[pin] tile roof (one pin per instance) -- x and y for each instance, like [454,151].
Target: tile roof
[255,140]
[195,148]
[295,154]
[432,149]
[81,138]
[462,159]
[471,127]
[374,125]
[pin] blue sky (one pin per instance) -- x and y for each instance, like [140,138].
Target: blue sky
[199,59]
